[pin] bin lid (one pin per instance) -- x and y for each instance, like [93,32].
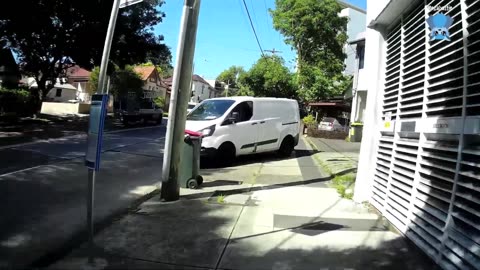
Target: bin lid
[193,133]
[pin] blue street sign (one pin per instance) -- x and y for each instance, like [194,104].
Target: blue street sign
[98,109]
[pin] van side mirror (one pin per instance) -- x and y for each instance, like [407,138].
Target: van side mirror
[233,118]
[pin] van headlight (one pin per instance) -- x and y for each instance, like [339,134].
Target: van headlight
[208,131]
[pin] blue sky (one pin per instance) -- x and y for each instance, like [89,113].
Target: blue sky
[224,35]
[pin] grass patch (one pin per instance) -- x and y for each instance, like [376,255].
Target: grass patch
[221,198]
[344,185]
[165,114]
[322,164]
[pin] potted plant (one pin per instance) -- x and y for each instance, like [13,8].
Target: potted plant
[309,123]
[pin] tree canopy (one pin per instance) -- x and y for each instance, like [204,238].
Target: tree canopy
[122,81]
[49,35]
[268,77]
[318,34]
[231,75]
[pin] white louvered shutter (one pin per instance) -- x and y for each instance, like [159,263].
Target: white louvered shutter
[427,177]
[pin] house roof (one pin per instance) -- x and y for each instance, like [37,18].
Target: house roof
[168,81]
[197,78]
[390,13]
[344,4]
[144,71]
[77,71]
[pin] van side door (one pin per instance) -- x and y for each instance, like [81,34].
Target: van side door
[270,126]
[243,131]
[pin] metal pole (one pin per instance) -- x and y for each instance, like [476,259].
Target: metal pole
[108,85]
[181,89]
[107,46]
[100,89]
[90,206]
[228,87]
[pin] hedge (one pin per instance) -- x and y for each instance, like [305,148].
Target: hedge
[16,101]
[340,135]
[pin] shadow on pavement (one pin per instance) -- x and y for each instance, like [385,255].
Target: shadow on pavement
[192,234]
[210,163]
[263,187]
[219,183]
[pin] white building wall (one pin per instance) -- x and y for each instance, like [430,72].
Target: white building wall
[362,83]
[201,91]
[154,86]
[421,170]
[356,25]
[66,95]
[373,69]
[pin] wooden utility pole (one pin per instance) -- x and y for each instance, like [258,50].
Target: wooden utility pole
[181,89]
[273,51]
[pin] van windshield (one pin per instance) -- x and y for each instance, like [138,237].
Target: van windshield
[210,109]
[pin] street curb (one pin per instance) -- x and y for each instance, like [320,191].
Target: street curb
[72,137]
[324,166]
[319,162]
[81,236]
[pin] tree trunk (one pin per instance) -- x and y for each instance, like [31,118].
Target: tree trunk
[40,94]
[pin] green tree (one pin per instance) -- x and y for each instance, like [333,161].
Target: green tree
[160,102]
[231,75]
[314,29]
[93,82]
[268,77]
[49,36]
[122,81]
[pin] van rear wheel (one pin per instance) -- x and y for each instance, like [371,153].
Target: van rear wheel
[286,148]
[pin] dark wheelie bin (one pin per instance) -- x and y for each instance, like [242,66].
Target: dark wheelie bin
[190,163]
[356,132]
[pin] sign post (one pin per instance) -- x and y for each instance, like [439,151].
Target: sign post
[98,110]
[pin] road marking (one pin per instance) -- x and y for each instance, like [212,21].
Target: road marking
[22,170]
[71,137]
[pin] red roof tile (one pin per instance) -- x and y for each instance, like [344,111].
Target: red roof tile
[77,71]
[144,72]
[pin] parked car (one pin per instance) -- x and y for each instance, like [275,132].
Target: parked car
[234,126]
[144,110]
[331,124]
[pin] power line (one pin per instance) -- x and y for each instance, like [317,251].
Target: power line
[253,28]
[273,51]
[255,20]
[266,18]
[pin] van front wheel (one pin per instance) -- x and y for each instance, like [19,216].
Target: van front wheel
[286,148]
[226,154]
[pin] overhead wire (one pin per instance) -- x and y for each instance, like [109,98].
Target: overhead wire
[253,27]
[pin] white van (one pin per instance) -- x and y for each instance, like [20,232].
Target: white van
[190,106]
[234,126]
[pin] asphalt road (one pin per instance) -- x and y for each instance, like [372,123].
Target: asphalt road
[43,188]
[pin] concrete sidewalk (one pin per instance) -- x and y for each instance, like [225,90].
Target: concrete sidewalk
[265,214]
